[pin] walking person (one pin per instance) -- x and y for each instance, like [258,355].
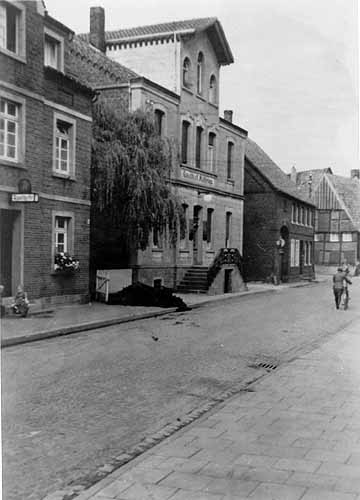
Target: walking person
[339,279]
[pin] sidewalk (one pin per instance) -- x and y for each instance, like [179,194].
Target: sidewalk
[81,317]
[292,435]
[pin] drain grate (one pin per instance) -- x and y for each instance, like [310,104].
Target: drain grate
[267,366]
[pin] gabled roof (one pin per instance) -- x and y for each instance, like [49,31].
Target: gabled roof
[272,173]
[303,178]
[348,190]
[92,67]
[209,24]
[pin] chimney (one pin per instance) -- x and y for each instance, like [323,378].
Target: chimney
[228,115]
[97,28]
[355,173]
[293,174]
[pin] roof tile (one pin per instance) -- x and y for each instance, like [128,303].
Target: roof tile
[268,168]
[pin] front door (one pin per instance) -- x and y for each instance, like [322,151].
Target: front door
[197,237]
[6,250]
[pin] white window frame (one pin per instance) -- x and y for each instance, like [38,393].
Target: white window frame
[334,237]
[69,216]
[347,237]
[60,52]
[70,172]
[294,253]
[20,128]
[20,51]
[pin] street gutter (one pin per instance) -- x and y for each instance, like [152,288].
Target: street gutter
[93,325]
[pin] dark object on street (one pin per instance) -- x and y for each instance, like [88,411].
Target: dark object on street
[21,302]
[154,338]
[140,294]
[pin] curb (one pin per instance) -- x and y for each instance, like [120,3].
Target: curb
[93,325]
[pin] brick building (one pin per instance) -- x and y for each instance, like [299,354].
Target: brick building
[278,222]
[174,70]
[45,137]
[337,220]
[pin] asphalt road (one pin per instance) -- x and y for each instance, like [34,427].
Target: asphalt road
[71,404]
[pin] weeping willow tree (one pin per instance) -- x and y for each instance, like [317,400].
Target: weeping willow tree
[131,194]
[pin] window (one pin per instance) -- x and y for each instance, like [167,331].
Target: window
[308,215]
[308,253]
[298,218]
[159,121]
[294,253]
[185,141]
[183,229]
[198,146]
[199,73]
[64,145]
[317,237]
[53,50]
[228,229]
[230,151]
[186,72]
[334,237]
[12,28]
[157,239]
[293,209]
[207,227]
[211,152]
[61,234]
[347,236]
[212,90]
[302,216]
[9,130]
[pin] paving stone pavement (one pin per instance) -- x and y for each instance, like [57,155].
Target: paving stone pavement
[295,435]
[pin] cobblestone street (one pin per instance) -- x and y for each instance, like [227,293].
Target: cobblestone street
[70,405]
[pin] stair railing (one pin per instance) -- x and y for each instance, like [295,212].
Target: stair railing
[225,256]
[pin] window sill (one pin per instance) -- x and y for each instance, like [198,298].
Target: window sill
[59,70]
[188,90]
[201,97]
[210,251]
[18,57]
[69,273]
[66,177]
[230,181]
[184,250]
[14,164]
[157,250]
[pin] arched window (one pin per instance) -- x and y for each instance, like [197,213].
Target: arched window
[230,159]
[198,147]
[159,121]
[211,151]
[200,62]
[212,90]
[186,72]
[185,141]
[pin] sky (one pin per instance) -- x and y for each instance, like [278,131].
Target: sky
[294,82]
